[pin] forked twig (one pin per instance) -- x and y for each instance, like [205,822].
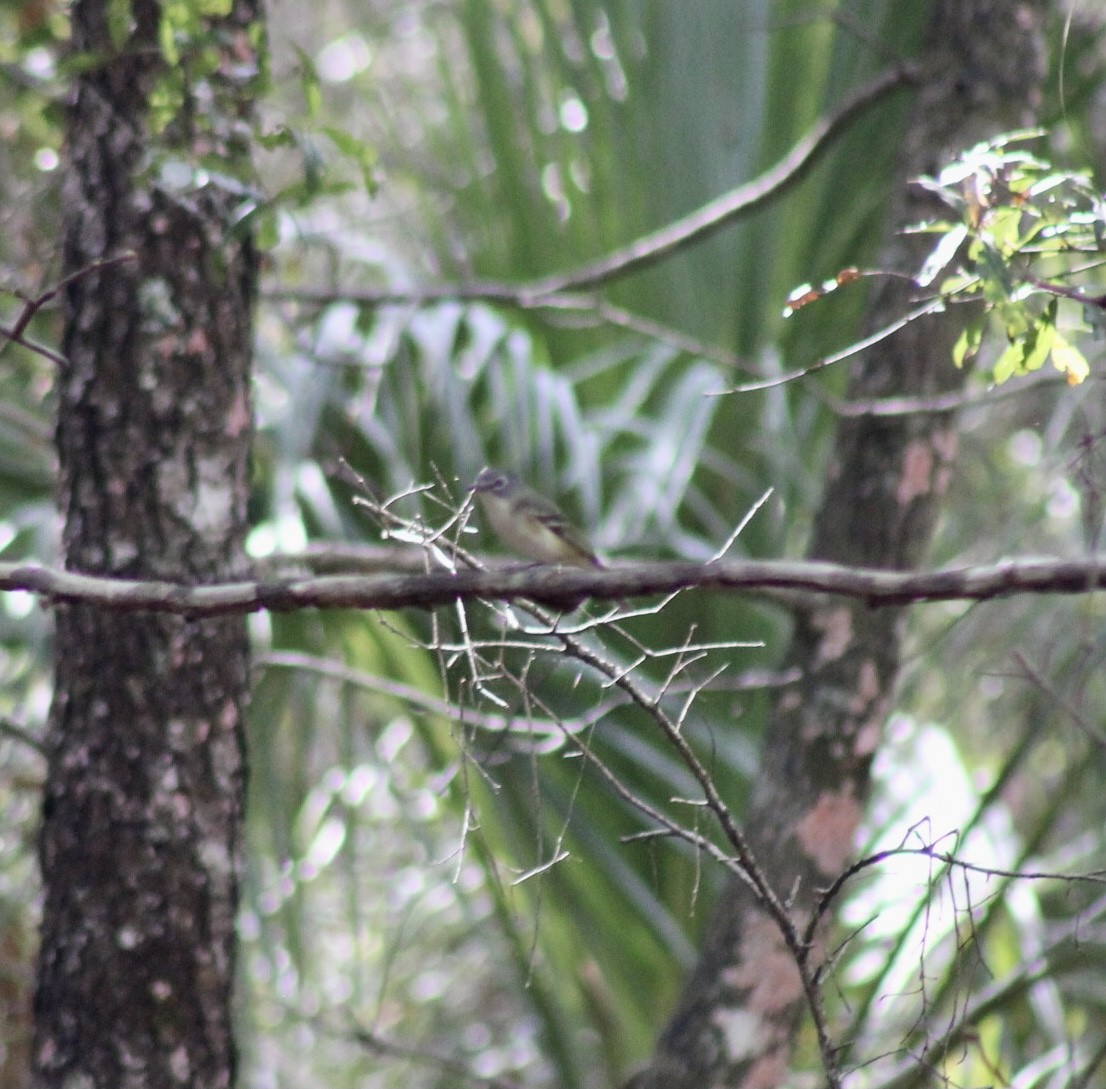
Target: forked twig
[15,334]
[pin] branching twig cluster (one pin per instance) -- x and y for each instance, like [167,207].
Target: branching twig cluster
[537,632]
[546,631]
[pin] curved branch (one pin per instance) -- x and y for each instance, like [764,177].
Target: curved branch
[654,247]
[737,203]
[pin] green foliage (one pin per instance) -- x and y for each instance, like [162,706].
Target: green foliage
[29,259]
[1024,230]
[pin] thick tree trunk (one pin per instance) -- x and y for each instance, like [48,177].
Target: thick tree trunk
[144,797]
[736,1025]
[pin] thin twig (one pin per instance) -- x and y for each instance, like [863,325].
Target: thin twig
[543,731]
[886,407]
[9,728]
[425,1056]
[929,307]
[1057,700]
[31,306]
[1069,937]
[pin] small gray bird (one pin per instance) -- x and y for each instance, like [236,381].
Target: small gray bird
[530,524]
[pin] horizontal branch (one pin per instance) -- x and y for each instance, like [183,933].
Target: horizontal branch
[565,586]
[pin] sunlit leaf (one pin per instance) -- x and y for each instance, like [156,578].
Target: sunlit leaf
[967,344]
[1039,342]
[1069,360]
[1008,364]
[942,254]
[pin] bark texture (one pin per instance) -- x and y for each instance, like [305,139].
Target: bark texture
[736,1025]
[145,787]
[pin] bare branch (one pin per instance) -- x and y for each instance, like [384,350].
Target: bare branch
[792,583]
[552,291]
[1056,699]
[546,735]
[1068,949]
[736,204]
[931,306]
[10,728]
[453,1068]
[945,402]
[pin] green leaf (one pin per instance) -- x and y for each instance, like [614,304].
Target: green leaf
[310,83]
[362,153]
[994,269]
[120,21]
[1004,228]
[962,283]
[167,39]
[967,344]
[1038,343]
[260,218]
[1016,320]
[1069,361]
[166,99]
[1007,364]
[281,136]
[941,254]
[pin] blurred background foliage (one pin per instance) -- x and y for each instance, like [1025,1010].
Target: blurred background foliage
[431,871]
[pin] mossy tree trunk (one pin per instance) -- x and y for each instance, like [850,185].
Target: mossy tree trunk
[141,838]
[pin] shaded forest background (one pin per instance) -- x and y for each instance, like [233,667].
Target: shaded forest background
[435,880]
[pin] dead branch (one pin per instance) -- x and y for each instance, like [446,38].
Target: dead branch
[795,584]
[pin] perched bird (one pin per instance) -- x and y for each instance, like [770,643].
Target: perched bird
[530,524]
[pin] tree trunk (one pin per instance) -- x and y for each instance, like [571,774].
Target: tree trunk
[142,827]
[737,1022]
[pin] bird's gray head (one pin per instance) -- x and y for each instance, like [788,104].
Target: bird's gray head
[495,481]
